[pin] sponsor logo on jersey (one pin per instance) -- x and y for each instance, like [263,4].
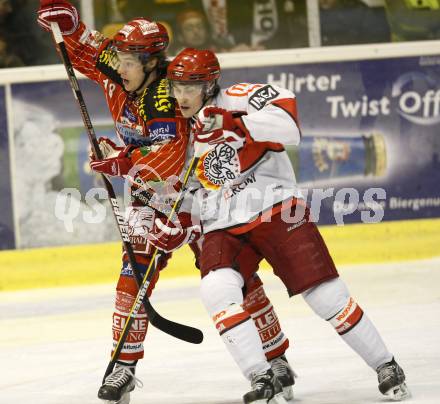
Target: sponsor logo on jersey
[126,269]
[132,135]
[129,115]
[236,189]
[260,98]
[162,131]
[161,101]
[218,166]
[162,97]
[109,58]
[296,225]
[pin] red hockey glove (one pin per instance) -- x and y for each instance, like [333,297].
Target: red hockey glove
[117,166]
[60,11]
[170,236]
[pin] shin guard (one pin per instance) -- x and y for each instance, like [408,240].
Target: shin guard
[331,301]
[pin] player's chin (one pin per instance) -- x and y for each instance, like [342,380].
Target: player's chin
[127,85]
[187,112]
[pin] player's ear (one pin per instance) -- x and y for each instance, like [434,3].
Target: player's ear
[152,63]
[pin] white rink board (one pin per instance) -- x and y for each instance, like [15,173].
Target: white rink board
[54,343]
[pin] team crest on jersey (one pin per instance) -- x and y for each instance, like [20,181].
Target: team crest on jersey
[260,98]
[218,166]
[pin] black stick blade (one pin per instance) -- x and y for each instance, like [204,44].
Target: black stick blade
[177,330]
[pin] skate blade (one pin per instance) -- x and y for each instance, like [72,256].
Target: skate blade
[288,393]
[125,399]
[278,399]
[399,393]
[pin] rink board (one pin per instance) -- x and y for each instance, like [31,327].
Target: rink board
[99,263]
[345,95]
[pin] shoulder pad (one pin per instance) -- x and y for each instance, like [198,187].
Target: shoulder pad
[107,63]
[156,102]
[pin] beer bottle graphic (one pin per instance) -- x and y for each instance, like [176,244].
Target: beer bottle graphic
[326,157]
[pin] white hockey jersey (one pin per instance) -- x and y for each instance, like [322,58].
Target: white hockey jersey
[247,181]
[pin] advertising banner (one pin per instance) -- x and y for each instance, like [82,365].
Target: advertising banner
[51,165]
[367,125]
[369,152]
[7,238]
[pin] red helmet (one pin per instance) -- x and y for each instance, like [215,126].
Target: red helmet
[141,36]
[194,65]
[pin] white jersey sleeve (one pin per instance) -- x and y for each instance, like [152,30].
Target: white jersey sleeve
[270,113]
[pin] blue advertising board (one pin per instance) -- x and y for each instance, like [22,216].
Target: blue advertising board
[392,106]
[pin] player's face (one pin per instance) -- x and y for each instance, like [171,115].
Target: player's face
[131,71]
[189,96]
[194,32]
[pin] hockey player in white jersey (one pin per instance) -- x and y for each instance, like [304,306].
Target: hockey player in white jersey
[247,196]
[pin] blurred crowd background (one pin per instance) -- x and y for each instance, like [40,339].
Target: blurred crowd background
[230,25]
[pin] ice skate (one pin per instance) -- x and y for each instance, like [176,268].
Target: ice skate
[266,389]
[392,381]
[118,385]
[284,373]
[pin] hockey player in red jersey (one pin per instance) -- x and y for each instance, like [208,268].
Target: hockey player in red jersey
[247,196]
[131,70]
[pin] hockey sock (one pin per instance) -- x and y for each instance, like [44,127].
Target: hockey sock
[222,296]
[241,338]
[331,301]
[133,347]
[256,303]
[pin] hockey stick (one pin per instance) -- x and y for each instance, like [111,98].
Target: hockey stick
[181,331]
[148,275]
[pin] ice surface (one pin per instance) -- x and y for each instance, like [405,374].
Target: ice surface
[54,344]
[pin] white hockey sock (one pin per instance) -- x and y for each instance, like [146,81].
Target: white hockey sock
[239,334]
[222,296]
[332,302]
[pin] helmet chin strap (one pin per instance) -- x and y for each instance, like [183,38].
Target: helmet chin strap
[204,101]
[206,98]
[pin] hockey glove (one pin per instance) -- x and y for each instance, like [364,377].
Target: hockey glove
[228,121]
[60,11]
[118,165]
[216,125]
[170,236]
[108,147]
